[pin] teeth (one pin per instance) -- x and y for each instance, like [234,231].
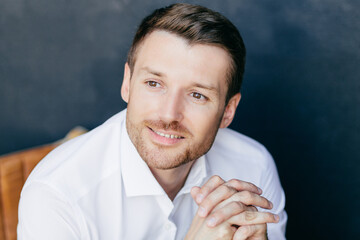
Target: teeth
[167,135]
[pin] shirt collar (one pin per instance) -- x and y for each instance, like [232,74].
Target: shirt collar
[197,175]
[137,177]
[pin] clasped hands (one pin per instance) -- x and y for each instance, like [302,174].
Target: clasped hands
[227,211]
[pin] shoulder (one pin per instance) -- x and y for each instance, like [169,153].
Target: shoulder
[237,146]
[80,164]
[234,155]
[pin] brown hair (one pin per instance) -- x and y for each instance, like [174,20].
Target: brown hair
[198,25]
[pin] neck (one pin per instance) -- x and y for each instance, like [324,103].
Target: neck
[172,180]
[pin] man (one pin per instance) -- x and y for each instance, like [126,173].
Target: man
[162,169]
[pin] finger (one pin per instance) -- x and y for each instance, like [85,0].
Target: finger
[231,209]
[244,186]
[208,187]
[194,191]
[218,195]
[248,198]
[251,217]
[257,231]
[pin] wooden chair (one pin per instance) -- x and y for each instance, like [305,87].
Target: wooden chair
[14,170]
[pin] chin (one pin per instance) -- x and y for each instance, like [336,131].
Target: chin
[163,161]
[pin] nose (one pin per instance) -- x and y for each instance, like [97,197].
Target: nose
[171,108]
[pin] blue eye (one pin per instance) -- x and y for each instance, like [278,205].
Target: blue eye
[153,84]
[198,96]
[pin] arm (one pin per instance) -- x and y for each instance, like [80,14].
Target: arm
[44,214]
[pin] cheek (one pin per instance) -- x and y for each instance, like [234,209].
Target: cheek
[143,105]
[202,121]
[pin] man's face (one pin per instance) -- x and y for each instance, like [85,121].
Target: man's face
[176,99]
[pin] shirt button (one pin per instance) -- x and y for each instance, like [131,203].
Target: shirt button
[167,226]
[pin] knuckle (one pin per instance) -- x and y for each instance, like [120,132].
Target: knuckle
[252,208]
[223,188]
[226,189]
[206,202]
[218,215]
[246,195]
[250,186]
[234,182]
[217,179]
[239,205]
[204,190]
[240,185]
[249,216]
[236,197]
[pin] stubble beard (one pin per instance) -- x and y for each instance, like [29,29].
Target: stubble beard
[163,157]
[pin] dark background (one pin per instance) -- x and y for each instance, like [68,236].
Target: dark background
[61,65]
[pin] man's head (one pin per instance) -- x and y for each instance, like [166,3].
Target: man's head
[176,83]
[197,25]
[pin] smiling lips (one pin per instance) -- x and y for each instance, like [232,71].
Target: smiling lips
[165,139]
[167,135]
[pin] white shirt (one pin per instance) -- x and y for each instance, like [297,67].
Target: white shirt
[98,187]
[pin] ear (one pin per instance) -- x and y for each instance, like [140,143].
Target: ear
[230,109]
[125,87]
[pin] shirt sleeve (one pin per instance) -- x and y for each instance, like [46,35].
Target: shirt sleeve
[273,191]
[45,214]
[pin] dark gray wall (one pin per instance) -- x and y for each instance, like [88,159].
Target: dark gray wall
[61,65]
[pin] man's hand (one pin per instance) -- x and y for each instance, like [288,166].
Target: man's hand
[226,211]
[228,229]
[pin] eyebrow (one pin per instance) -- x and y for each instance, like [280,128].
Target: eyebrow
[209,88]
[151,71]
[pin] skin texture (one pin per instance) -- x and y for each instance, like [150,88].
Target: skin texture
[176,104]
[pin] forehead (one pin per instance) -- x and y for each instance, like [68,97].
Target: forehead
[174,56]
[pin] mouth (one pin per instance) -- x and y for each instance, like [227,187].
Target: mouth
[167,135]
[170,136]
[168,139]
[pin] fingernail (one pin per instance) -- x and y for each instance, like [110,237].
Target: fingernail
[199,198]
[259,190]
[211,222]
[276,217]
[201,212]
[271,205]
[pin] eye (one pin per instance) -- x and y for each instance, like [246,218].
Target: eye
[153,84]
[198,96]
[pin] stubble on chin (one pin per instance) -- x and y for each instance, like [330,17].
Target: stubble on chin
[164,157]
